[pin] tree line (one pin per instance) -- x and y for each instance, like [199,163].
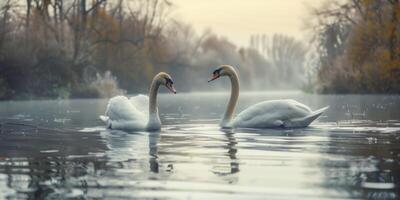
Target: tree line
[100,48]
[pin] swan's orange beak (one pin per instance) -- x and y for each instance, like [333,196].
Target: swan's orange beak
[215,76]
[171,88]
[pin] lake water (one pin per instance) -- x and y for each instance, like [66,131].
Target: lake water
[60,149]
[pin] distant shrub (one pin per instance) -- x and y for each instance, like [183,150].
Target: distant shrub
[102,86]
[106,85]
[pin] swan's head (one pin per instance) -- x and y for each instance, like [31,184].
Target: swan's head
[165,79]
[222,70]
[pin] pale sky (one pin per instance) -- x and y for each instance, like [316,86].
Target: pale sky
[238,19]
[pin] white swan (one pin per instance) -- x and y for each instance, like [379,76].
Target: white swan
[137,113]
[267,114]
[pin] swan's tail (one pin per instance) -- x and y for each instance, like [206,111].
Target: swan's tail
[104,118]
[305,121]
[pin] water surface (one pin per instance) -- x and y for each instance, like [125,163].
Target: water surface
[59,149]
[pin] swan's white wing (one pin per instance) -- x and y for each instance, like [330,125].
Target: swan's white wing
[305,121]
[120,107]
[141,103]
[271,114]
[122,114]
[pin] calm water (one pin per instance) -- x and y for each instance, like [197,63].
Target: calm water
[60,150]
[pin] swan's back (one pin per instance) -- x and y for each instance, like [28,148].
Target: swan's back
[124,113]
[269,114]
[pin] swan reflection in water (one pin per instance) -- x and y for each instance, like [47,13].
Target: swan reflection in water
[233,164]
[160,152]
[134,150]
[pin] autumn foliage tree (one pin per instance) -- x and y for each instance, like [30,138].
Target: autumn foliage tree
[59,47]
[359,47]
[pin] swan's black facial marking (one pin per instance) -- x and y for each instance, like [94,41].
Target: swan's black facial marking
[169,84]
[168,81]
[217,72]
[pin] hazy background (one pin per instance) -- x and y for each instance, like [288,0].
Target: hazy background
[101,48]
[237,19]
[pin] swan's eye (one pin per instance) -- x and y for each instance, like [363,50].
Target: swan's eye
[217,71]
[169,81]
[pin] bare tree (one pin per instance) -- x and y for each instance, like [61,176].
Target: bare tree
[284,53]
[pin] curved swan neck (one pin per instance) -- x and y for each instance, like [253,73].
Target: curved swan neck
[230,109]
[154,122]
[153,97]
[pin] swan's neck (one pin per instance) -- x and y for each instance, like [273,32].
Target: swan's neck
[230,109]
[154,119]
